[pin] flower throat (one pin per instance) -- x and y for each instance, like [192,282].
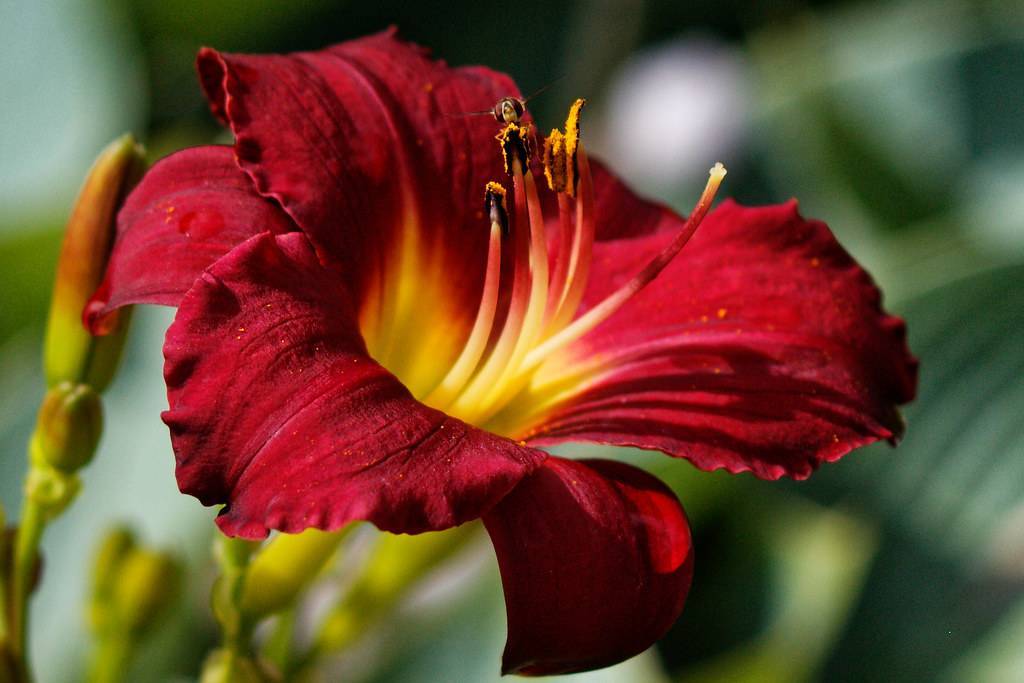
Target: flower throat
[502,377]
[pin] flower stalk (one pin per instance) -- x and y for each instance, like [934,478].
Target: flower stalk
[78,366]
[6,675]
[233,660]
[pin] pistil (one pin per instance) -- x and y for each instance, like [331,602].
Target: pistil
[613,302]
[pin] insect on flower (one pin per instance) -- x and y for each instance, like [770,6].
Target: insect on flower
[509,109]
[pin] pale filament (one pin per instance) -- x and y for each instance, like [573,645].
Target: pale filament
[466,363]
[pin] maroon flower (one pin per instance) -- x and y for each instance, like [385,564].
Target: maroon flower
[351,342]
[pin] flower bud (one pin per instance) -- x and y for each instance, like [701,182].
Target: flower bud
[70,353]
[114,548]
[147,583]
[286,567]
[68,428]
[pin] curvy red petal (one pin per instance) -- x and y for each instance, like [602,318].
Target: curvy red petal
[762,347]
[277,411]
[190,209]
[596,561]
[366,144]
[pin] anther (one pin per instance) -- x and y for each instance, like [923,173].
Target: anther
[515,145]
[494,205]
[554,161]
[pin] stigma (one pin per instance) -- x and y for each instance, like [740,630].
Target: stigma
[517,333]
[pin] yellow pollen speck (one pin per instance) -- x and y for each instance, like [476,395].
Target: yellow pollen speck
[428,86]
[835,438]
[241,329]
[721,313]
[815,262]
[703,318]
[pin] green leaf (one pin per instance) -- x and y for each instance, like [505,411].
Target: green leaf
[949,496]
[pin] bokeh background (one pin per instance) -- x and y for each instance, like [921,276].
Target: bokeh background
[901,123]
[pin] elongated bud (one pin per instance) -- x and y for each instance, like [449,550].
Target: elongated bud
[70,353]
[113,549]
[147,583]
[68,427]
[283,569]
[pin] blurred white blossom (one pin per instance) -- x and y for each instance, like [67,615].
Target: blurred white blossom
[672,111]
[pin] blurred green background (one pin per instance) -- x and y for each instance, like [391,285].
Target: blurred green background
[900,123]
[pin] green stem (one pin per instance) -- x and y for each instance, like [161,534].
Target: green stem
[30,533]
[278,648]
[4,674]
[110,661]
[234,559]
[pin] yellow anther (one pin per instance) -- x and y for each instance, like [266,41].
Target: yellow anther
[515,145]
[494,205]
[496,189]
[554,161]
[572,143]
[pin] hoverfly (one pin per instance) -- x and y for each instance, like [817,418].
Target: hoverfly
[509,109]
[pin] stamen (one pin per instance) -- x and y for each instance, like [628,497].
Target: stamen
[559,281]
[534,319]
[614,301]
[475,345]
[497,361]
[583,242]
[555,162]
[572,145]
[515,145]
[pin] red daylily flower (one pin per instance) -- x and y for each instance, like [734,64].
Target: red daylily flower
[351,342]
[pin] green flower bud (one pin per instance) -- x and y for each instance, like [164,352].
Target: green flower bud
[286,567]
[68,427]
[147,583]
[70,353]
[117,545]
